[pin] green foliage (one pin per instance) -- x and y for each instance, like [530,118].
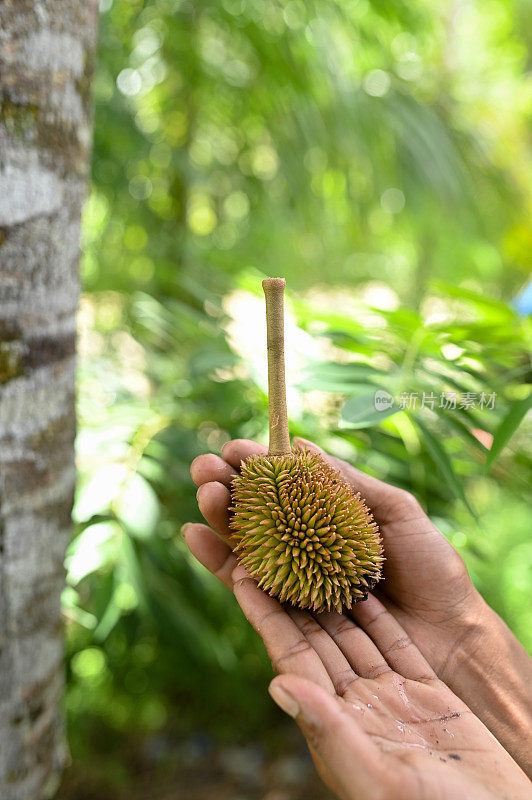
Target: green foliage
[361,150]
[455,375]
[508,426]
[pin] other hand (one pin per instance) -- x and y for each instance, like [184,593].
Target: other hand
[427,588]
[379,722]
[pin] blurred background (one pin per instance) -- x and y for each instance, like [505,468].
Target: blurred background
[377,154]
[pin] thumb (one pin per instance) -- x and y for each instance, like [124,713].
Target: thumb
[330,727]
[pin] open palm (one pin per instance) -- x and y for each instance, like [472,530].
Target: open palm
[379,722]
[427,593]
[426,586]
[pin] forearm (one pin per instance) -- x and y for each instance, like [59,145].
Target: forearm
[490,670]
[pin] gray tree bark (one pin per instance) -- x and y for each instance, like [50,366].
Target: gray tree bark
[46,59]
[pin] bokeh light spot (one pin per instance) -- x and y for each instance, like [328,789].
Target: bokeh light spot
[236,205]
[393,200]
[377,83]
[201,220]
[89,663]
[135,237]
[129,82]
[265,162]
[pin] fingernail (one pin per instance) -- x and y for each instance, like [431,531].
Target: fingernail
[184,528]
[198,490]
[224,447]
[284,700]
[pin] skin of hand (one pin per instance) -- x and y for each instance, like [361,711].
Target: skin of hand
[379,723]
[427,589]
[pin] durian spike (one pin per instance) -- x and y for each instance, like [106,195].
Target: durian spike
[278,415]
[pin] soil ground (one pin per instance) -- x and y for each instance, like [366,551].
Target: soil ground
[157,769]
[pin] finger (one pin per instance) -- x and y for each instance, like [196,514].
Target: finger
[210,551]
[237,450]
[288,649]
[214,500]
[361,653]
[332,658]
[333,732]
[382,498]
[210,467]
[395,645]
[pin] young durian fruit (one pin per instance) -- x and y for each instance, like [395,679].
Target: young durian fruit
[298,527]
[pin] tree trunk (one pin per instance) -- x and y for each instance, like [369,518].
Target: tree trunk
[46,59]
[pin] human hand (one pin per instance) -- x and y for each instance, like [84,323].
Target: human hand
[379,722]
[427,588]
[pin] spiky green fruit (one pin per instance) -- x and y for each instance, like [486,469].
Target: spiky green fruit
[302,532]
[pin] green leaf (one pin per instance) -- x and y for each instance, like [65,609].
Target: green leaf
[331,376]
[498,307]
[96,547]
[363,411]
[137,506]
[507,427]
[453,419]
[444,463]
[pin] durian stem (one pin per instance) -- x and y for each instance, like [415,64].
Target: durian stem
[279,435]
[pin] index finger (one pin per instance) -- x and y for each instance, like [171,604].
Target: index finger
[288,648]
[237,450]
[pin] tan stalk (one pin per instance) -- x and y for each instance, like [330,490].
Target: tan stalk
[279,434]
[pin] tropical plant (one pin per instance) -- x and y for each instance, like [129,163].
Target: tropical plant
[359,149]
[453,385]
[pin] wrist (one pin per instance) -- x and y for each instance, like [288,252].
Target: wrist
[459,635]
[490,670]
[473,644]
